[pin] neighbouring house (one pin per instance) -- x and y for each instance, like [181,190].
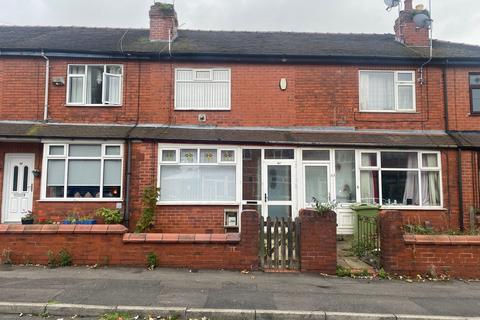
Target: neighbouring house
[226,121]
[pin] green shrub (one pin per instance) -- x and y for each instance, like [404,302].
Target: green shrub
[149,200]
[343,272]
[382,274]
[52,259]
[322,208]
[110,216]
[64,258]
[152,260]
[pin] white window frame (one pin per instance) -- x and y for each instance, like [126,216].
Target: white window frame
[420,169]
[104,103]
[66,157]
[237,163]
[194,71]
[396,84]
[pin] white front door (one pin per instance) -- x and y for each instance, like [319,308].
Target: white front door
[17,186]
[279,189]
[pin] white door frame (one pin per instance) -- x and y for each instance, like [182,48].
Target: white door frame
[293,185]
[6,180]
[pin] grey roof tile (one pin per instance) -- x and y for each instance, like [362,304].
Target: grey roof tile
[111,40]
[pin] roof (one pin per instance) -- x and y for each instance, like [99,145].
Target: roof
[228,135]
[193,42]
[467,139]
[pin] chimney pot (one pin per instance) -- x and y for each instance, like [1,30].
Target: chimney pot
[163,22]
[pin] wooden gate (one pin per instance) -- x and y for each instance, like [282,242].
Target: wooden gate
[279,244]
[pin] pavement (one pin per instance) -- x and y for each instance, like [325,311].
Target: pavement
[172,288]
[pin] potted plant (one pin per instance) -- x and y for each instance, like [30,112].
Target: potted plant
[110,216]
[86,220]
[70,219]
[28,219]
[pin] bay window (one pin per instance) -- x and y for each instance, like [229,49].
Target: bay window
[198,174]
[396,178]
[387,91]
[94,84]
[83,171]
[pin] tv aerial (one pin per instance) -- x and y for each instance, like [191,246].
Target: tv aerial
[392,4]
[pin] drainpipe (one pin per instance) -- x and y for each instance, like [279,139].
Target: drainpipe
[459,149]
[47,82]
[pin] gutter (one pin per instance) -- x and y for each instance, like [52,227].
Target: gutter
[244,58]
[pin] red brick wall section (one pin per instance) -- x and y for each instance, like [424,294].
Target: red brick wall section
[457,256]
[317,95]
[318,242]
[102,244]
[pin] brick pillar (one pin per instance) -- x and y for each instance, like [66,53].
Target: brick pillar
[250,239]
[392,246]
[318,242]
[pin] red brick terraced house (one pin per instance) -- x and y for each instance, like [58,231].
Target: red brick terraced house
[226,121]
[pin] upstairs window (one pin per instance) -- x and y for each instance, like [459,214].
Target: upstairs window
[202,89]
[94,84]
[475,92]
[387,91]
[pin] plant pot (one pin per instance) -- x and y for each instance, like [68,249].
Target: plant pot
[27,221]
[90,221]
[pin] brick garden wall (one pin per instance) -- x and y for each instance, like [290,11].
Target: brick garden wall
[112,245]
[457,256]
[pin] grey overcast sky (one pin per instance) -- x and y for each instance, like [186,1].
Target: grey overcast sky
[455,20]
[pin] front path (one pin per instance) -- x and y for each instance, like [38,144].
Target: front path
[234,290]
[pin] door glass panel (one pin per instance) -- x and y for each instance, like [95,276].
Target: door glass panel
[285,154]
[252,174]
[15,178]
[279,211]
[25,178]
[279,183]
[345,176]
[316,184]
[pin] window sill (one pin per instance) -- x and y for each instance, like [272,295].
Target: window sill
[389,112]
[474,114]
[203,110]
[197,203]
[412,208]
[93,105]
[81,200]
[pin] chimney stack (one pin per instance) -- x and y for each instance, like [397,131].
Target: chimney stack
[406,30]
[163,22]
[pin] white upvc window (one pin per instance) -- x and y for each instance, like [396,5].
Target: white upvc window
[387,91]
[95,85]
[400,178]
[202,89]
[192,174]
[82,172]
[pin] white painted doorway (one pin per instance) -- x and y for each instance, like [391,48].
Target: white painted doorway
[17,186]
[279,189]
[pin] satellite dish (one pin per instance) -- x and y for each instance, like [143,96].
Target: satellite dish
[422,20]
[392,3]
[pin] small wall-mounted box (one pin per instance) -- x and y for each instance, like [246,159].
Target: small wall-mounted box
[58,81]
[231,218]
